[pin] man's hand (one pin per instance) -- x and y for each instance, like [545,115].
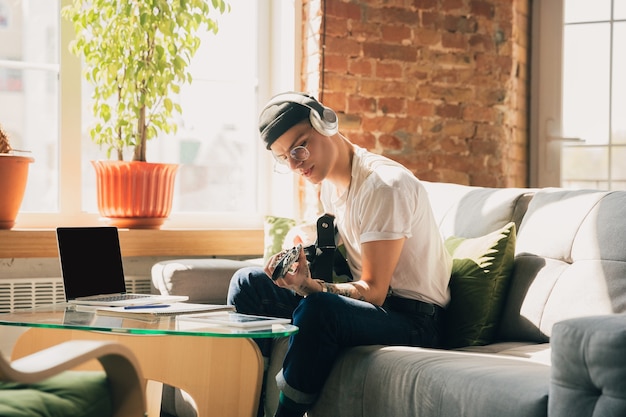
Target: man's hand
[297,278]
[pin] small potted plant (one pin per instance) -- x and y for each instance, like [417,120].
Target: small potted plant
[136,54]
[14,174]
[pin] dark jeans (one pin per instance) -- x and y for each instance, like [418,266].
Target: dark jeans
[328,323]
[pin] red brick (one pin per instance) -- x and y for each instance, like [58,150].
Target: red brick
[460,24]
[335,26]
[486,131]
[360,104]
[362,31]
[349,122]
[454,41]
[488,97]
[390,142]
[336,63]
[388,70]
[417,73]
[393,52]
[386,124]
[504,12]
[479,114]
[453,145]
[445,58]
[342,9]
[450,94]
[360,66]
[426,37]
[449,111]
[484,147]
[431,20]
[482,8]
[425,4]
[363,139]
[455,162]
[481,42]
[336,101]
[486,179]
[447,76]
[455,177]
[386,3]
[378,88]
[343,46]
[335,82]
[395,33]
[420,108]
[458,128]
[393,15]
[392,105]
[450,5]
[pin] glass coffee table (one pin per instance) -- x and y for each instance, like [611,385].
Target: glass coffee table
[221,368]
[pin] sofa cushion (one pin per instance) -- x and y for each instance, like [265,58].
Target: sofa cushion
[570,262]
[203,280]
[79,394]
[480,273]
[374,381]
[470,211]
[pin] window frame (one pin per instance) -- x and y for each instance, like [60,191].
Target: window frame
[546,107]
[275,194]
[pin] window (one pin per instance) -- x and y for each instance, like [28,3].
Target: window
[45,105]
[579,94]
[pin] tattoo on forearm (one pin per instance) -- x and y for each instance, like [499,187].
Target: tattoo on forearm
[347,290]
[302,290]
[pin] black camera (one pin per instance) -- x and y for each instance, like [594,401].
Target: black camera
[286,262]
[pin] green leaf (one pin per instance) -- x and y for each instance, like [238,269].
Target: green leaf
[137,53]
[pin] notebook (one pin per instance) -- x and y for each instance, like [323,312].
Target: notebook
[150,312]
[234,319]
[91,265]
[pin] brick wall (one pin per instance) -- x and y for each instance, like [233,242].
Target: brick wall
[438,85]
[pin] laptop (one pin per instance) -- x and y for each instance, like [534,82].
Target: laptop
[91,265]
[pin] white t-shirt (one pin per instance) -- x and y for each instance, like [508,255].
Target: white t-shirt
[385,201]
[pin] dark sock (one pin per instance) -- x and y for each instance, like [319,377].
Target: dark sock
[290,408]
[261,409]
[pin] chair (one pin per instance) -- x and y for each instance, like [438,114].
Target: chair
[45,381]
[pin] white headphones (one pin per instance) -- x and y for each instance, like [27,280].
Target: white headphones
[323,119]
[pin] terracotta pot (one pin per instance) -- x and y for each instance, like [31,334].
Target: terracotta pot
[13,174]
[135,195]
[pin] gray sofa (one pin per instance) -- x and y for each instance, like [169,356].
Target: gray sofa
[560,348]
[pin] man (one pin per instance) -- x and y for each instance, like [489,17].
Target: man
[396,254]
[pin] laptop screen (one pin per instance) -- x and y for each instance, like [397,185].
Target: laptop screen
[91,261]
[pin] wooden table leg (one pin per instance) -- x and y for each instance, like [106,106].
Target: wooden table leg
[222,375]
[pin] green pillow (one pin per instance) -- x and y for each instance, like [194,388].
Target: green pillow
[70,393]
[480,276]
[275,228]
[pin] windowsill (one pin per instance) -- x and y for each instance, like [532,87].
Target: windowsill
[41,243]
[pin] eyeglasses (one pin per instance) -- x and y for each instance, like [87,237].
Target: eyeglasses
[299,154]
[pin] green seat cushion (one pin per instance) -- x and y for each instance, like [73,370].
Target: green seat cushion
[480,276]
[69,394]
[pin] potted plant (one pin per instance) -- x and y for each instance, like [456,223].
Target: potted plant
[136,54]
[14,173]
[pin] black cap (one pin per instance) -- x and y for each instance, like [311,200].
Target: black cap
[276,119]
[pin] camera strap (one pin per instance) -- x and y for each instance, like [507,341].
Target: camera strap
[325,247]
[326,260]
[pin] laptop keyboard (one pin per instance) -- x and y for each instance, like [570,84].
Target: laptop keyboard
[118,297]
